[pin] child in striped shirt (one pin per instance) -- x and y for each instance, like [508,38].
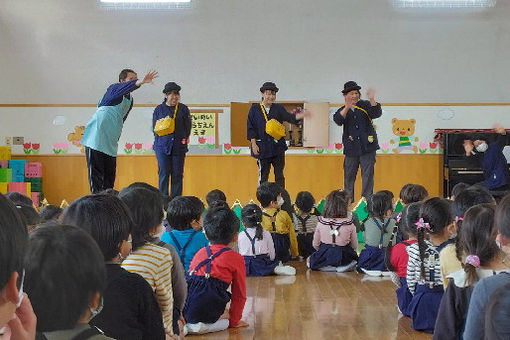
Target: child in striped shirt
[304,222]
[152,262]
[423,269]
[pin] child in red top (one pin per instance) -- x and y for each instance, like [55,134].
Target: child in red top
[211,271]
[396,256]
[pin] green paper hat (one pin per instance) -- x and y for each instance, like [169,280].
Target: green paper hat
[236,208]
[320,206]
[398,206]
[361,210]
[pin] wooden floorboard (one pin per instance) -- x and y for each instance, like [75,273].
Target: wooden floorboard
[316,306]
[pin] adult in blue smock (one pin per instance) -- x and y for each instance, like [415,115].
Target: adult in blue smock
[491,159]
[266,149]
[102,132]
[171,148]
[359,137]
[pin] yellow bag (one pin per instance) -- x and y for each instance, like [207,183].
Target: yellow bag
[166,126]
[273,127]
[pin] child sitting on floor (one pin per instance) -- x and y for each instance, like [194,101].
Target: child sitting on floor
[377,231]
[256,246]
[214,268]
[423,269]
[304,222]
[277,221]
[335,236]
[184,216]
[396,256]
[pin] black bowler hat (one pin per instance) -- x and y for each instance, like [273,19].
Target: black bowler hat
[269,86]
[350,86]
[171,86]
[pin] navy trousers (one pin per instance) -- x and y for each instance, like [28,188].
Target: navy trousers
[170,166]
[100,169]
[278,163]
[351,164]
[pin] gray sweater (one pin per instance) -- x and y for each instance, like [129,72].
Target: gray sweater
[476,313]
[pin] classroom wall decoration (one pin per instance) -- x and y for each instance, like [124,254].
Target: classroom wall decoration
[404,130]
[75,137]
[203,129]
[212,135]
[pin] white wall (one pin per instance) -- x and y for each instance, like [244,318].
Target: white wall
[68,51]
[36,125]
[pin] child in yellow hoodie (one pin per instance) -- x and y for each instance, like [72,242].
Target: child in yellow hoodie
[277,221]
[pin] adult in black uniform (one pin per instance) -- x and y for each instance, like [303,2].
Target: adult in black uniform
[265,148]
[359,137]
[171,149]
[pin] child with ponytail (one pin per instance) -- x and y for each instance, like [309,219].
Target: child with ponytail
[377,231]
[484,258]
[256,246]
[396,256]
[423,270]
[451,256]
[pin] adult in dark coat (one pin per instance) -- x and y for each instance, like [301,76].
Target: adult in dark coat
[491,159]
[266,149]
[359,137]
[171,149]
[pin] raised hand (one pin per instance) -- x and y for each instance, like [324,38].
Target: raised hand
[498,128]
[303,114]
[150,76]
[347,103]
[468,147]
[371,94]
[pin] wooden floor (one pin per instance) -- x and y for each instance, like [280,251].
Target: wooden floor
[316,306]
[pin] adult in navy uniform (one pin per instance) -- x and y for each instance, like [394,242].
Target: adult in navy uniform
[102,132]
[491,159]
[265,148]
[171,149]
[359,137]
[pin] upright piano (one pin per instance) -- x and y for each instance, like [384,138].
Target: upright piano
[456,166]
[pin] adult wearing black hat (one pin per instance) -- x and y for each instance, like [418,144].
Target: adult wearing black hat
[171,144]
[359,137]
[264,131]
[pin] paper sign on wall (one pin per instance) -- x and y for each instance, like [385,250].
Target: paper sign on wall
[203,125]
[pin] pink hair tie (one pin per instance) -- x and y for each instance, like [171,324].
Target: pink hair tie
[458,219]
[399,217]
[422,225]
[473,260]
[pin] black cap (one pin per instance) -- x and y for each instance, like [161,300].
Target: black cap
[350,86]
[269,86]
[171,86]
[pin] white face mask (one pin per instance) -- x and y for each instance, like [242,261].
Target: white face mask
[280,201]
[94,312]
[482,147]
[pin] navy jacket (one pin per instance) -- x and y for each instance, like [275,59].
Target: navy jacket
[172,143]
[494,164]
[358,126]
[115,92]
[256,128]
